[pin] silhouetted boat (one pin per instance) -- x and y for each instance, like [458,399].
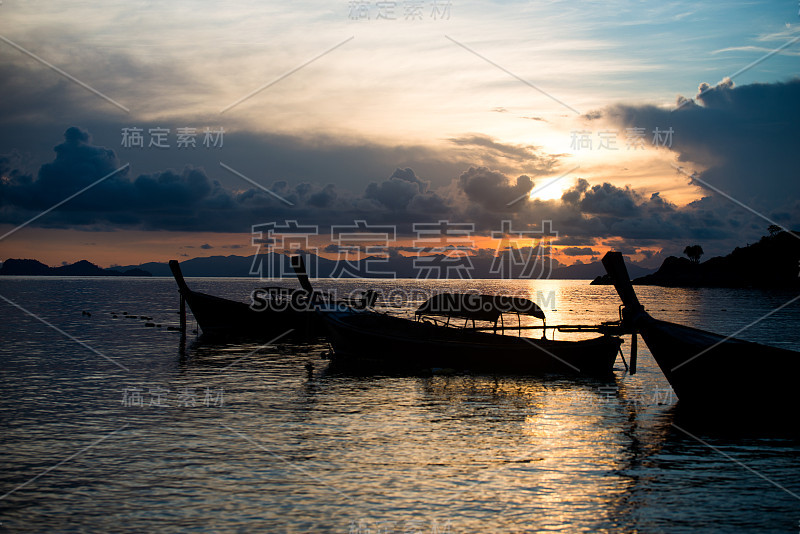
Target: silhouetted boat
[273,312]
[709,369]
[381,340]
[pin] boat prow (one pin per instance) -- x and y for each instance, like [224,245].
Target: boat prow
[221,318]
[274,312]
[709,369]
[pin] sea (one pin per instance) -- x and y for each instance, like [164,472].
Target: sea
[111,425]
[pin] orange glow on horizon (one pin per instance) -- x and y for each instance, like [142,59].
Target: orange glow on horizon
[134,247]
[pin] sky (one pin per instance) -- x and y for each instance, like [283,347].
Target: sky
[638,126]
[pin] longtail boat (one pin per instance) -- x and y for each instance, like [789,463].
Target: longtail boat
[705,368]
[273,311]
[433,340]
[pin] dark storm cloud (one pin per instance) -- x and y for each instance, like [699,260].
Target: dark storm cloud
[77,165]
[603,211]
[190,200]
[11,169]
[587,212]
[323,198]
[492,189]
[609,200]
[406,196]
[398,191]
[150,200]
[578,251]
[170,200]
[408,175]
[745,136]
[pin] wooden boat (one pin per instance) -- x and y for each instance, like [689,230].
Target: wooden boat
[705,368]
[429,341]
[273,311]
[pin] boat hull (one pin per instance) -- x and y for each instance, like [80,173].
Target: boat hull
[223,318]
[386,341]
[708,369]
[292,314]
[728,376]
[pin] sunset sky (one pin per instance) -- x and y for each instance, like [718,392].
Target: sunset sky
[396,113]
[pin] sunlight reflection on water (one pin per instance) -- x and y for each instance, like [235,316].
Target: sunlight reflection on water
[248,442]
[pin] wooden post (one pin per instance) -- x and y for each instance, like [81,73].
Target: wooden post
[182,314]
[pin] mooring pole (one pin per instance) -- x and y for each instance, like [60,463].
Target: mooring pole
[182,314]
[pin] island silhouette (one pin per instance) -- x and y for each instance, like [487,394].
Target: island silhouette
[772,262]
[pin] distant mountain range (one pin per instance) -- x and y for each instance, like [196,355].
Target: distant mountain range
[318,267]
[772,262]
[81,268]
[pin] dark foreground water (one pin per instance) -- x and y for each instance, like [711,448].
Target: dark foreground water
[121,430]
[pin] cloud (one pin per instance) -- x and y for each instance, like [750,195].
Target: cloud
[12,169]
[323,198]
[492,189]
[77,165]
[408,175]
[578,251]
[154,198]
[206,246]
[161,200]
[574,241]
[493,152]
[397,192]
[607,199]
[742,139]
[190,200]
[35,99]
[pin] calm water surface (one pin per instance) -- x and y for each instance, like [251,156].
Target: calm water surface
[241,438]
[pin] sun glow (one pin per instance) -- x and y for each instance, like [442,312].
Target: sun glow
[550,188]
